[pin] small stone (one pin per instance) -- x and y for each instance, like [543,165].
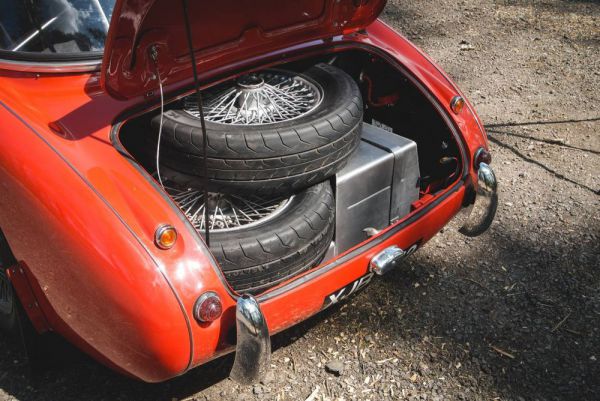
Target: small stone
[335,366]
[269,377]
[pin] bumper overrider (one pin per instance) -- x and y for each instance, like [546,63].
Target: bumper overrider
[253,348]
[479,215]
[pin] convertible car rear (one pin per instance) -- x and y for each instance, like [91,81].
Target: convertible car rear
[181,181]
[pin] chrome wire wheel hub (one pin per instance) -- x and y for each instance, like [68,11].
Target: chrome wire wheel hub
[226,212]
[264,97]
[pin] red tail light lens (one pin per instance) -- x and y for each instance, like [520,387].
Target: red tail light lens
[208,307]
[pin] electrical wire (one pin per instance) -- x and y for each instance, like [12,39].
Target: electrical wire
[160,127]
[188,31]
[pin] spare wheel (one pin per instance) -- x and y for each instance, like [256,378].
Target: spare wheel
[261,242]
[269,132]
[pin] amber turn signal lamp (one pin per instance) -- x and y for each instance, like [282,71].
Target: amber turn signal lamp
[165,236]
[457,104]
[208,307]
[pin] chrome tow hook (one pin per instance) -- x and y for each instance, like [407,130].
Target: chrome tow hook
[253,348]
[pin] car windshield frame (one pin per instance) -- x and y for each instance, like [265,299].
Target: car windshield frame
[52,59]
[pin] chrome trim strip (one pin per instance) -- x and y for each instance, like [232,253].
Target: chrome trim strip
[51,67]
[129,229]
[253,347]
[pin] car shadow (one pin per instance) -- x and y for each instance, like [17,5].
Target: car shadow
[496,131]
[66,373]
[518,316]
[550,170]
[528,334]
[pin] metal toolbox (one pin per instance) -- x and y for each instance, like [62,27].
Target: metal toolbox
[376,187]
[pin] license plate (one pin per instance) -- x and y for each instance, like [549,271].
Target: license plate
[348,290]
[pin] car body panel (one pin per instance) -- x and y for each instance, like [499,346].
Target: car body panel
[146,37]
[86,266]
[80,215]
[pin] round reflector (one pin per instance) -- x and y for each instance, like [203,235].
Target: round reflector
[165,236]
[208,307]
[457,104]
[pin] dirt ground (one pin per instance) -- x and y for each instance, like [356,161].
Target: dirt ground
[511,315]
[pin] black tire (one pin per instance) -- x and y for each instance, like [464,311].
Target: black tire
[22,338]
[8,307]
[275,158]
[264,255]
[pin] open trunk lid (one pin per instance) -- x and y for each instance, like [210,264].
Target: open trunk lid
[146,35]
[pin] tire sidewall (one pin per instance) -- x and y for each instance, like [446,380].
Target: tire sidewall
[268,159]
[301,203]
[264,255]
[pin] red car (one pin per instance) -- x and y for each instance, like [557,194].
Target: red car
[183,179]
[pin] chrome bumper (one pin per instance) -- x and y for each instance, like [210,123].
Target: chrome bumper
[253,349]
[479,215]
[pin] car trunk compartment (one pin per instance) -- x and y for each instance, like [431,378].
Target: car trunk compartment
[406,148]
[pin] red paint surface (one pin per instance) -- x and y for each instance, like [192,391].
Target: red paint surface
[224,33]
[82,218]
[22,286]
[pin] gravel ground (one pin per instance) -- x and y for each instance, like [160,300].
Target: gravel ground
[511,315]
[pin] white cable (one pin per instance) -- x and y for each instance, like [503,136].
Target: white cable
[160,125]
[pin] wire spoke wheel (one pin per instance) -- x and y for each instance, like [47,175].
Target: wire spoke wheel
[265,97]
[268,133]
[226,212]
